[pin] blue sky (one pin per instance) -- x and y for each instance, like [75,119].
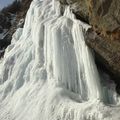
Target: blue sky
[4,3]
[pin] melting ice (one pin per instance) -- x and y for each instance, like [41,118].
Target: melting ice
[48,72]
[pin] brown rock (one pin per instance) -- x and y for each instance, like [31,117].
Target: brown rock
[107,53]
[104,38]
[103,15]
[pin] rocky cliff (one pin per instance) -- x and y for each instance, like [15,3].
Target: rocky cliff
[104,36]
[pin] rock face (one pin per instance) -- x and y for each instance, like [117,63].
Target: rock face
[107,53]
[5,21]
[104,17]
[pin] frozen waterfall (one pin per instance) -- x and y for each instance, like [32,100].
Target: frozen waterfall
[48,72]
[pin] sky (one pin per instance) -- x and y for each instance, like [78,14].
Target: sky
[4,3]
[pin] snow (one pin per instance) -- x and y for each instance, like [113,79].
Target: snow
[48,72]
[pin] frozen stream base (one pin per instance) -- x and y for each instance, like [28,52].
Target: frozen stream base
[48,72]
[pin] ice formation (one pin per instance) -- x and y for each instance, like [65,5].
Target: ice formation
[48,72]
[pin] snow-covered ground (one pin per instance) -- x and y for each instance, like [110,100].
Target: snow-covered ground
[48,72]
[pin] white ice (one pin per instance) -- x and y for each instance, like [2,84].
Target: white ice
[48,72]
